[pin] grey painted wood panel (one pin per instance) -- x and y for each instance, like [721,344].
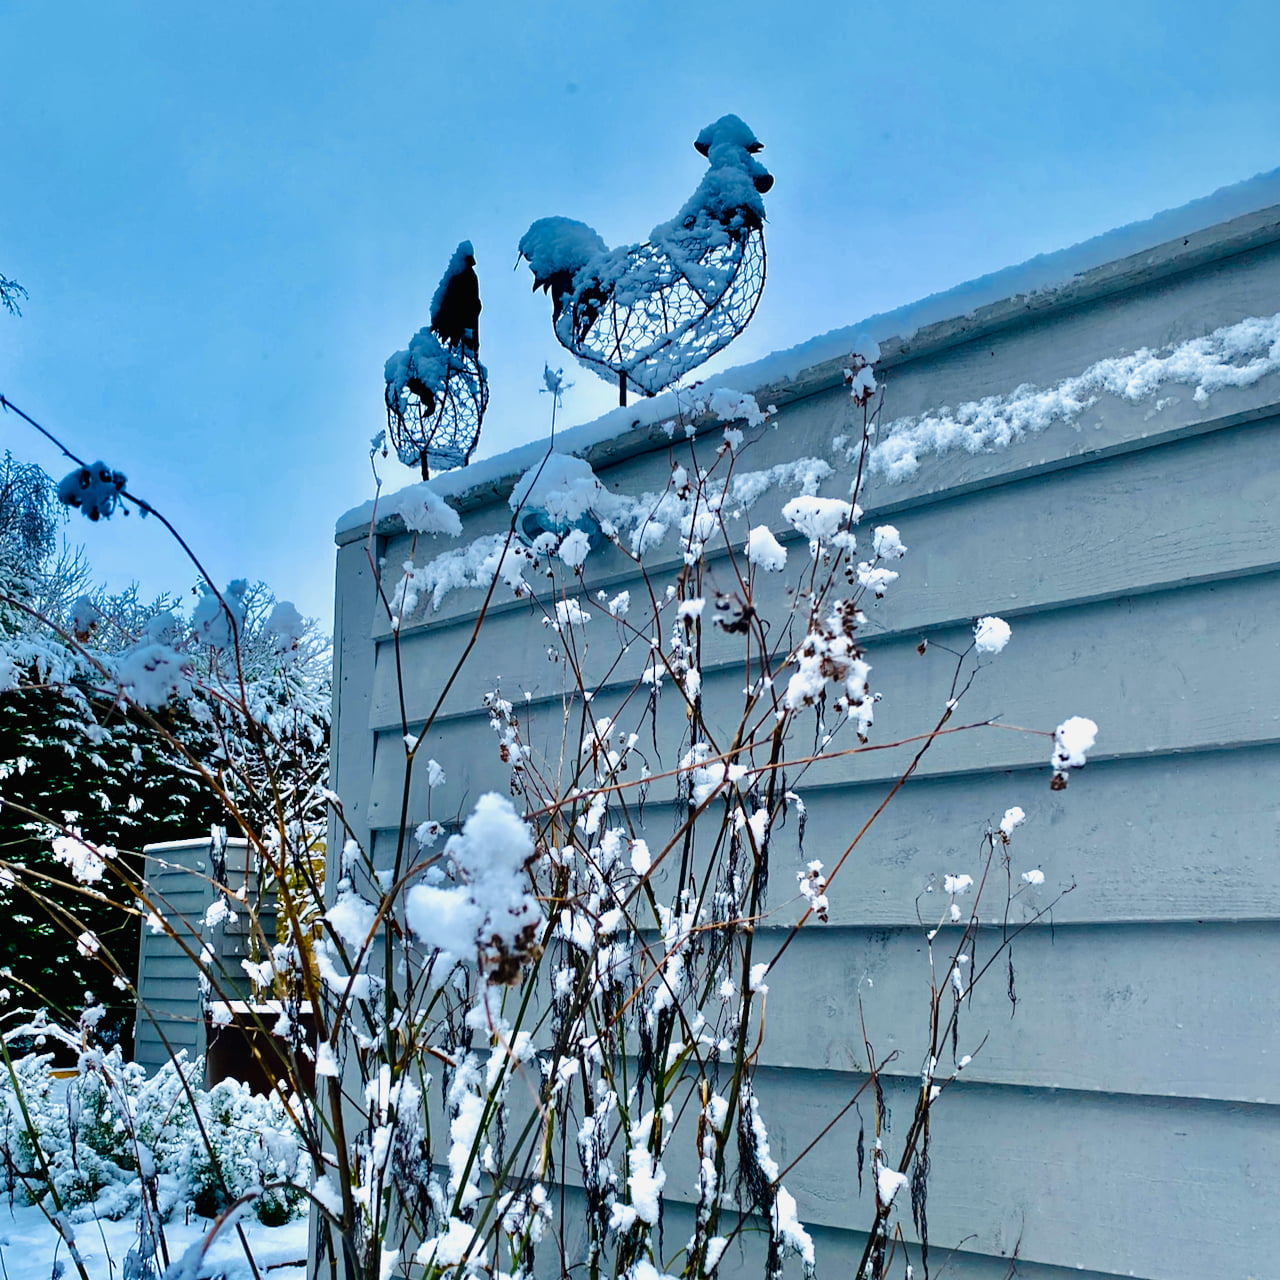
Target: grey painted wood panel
[353,659]
[1123,526]
[1164,858]
[838,1251]
[1167,693]
[170,1005]
[1113,1125]
[1096,1009]
[1109,1184]
[1179,1190]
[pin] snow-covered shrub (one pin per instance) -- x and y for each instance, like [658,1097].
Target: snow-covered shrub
[248,1142]
[557,986]
[82,1146]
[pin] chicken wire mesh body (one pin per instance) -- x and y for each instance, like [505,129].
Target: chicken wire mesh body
[435,424]
[668,308]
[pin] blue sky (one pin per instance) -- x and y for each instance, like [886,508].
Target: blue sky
[227,216]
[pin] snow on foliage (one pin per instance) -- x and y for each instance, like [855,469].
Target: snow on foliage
[286,627]
[152,674]
[95,490]
[765,551]
[818,519]
[218,621]
[87,862]
[457,1244]
[1072,740]
[489,913]
[1013,818]
[990,635]
[887,542]
[92,1130]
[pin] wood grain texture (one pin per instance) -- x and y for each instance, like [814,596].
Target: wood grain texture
[1096,1010]
[1175,1189]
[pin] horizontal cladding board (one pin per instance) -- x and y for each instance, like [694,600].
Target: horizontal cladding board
[169,967]
[199,862]
[168,977]
[838,1252]
[167,952]
[184,948]
[1167,1010]
[182,890]
[1105,1183]
[179,1006]
[1165,858]
[1151,1010]
[152,1032]
[1099,1183]
[1197,508]
[1112,1184]
[1200,845]
[1204,652]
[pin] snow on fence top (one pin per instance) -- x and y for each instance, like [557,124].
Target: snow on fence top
[1045,276]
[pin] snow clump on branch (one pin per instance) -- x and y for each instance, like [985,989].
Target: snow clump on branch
[95,490]
[990,635]
[1072,740]
[490,913]
[219,623]
[765,551]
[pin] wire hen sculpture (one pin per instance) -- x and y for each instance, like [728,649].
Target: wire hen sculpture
[437,390]
[646,314]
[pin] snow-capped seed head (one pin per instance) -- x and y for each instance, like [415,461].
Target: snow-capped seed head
[1072,740]
[877,580]
[95,490]
[887,542]
[1013,818]
[990,635]
[1034,877]
[765,551]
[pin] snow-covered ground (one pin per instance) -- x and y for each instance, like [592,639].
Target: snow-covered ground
[30,1248]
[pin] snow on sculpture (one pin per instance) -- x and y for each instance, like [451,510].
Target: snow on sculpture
[437,390]
[648,313]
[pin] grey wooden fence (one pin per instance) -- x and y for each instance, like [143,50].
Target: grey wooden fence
[180,875]
[1125,1122]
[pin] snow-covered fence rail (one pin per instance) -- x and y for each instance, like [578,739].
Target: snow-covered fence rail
[1099,464]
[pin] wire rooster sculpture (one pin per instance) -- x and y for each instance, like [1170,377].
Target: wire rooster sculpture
[647,314]
[437,390]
